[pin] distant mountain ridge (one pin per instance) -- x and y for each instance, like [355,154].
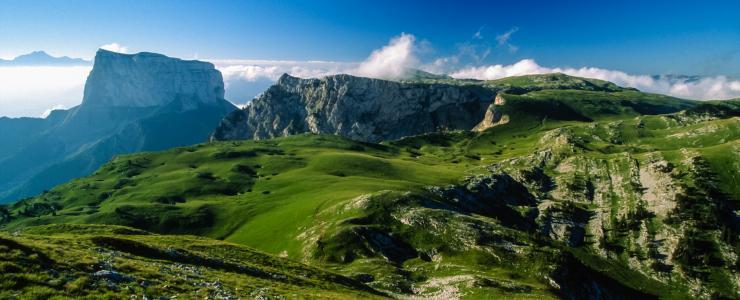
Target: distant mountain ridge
[41,58]
[138,102]
[374,110]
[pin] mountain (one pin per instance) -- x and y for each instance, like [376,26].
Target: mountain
[586,190]
[374,110]
[151,80]
[358,108]
[41,58]
[131,103]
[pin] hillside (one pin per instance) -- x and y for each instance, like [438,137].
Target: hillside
[96,261]
[565,190]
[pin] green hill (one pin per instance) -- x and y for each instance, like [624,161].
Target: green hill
[599,189]
[99,261]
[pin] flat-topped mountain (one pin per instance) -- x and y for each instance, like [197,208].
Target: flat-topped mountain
[150,79]
[131,103]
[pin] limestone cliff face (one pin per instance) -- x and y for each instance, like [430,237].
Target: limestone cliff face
[358,108]
[138,102]
[149,79]
[493,116]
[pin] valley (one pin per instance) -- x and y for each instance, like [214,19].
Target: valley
[408,150]
[586,188]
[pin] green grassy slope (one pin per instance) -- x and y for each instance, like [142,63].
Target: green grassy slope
[98,261]
[238,191]
[579,189]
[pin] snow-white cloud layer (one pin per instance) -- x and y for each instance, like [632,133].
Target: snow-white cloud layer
[115,47]
[703,88]
[253,70]
[48,111]
[391,61]
[31,91]
[245,79]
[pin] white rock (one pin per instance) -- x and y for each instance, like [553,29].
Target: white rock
[149,79]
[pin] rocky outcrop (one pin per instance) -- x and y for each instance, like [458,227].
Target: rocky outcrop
[358,108]
[150,79]
[493,116]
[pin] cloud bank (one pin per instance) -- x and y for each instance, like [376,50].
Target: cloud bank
[391,61]
[245,79]
[701,88]
[115,47]
[48,111]
[254,70]
[31,91]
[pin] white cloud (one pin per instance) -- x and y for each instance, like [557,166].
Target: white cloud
[522,67]
[48,111]
[717,87]
[478,35]
[391,61]
[29,91]
[115,47]
[245,79]
[503,38]
[252,70]
[441,65]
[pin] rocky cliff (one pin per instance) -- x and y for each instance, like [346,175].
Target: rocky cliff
[358,108]
[138,102]
[150,79]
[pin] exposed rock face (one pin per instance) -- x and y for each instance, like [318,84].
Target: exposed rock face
[139,102]
[358,108]
[636,206]
[149,79]
[493,116]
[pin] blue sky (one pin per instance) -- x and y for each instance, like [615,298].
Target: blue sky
[687,37]
[254,42]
